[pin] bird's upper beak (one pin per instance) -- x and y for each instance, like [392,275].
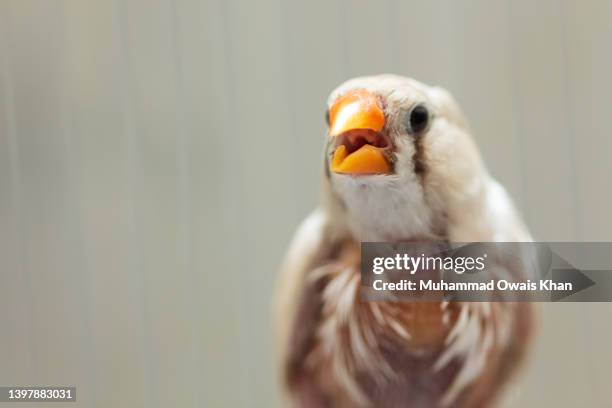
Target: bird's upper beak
[356,122]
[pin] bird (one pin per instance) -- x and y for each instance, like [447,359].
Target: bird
[399,165]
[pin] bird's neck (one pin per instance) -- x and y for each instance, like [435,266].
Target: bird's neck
[385,212]
[391,224]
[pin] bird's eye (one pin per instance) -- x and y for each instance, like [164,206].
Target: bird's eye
[417,119]
[327,116]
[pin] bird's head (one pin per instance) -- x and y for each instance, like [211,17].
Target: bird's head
[397,155]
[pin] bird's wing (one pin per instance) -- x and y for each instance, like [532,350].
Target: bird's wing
[305,249]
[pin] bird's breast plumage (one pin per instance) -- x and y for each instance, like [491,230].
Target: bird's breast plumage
[346,352]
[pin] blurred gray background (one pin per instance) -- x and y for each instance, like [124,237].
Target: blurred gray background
[156,157]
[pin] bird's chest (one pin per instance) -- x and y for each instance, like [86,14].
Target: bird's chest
[368,348]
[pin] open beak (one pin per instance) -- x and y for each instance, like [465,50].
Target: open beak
[356,122]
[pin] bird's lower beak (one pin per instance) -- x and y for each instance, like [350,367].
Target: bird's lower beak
[356,121]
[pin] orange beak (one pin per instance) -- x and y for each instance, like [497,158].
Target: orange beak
[356,118]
